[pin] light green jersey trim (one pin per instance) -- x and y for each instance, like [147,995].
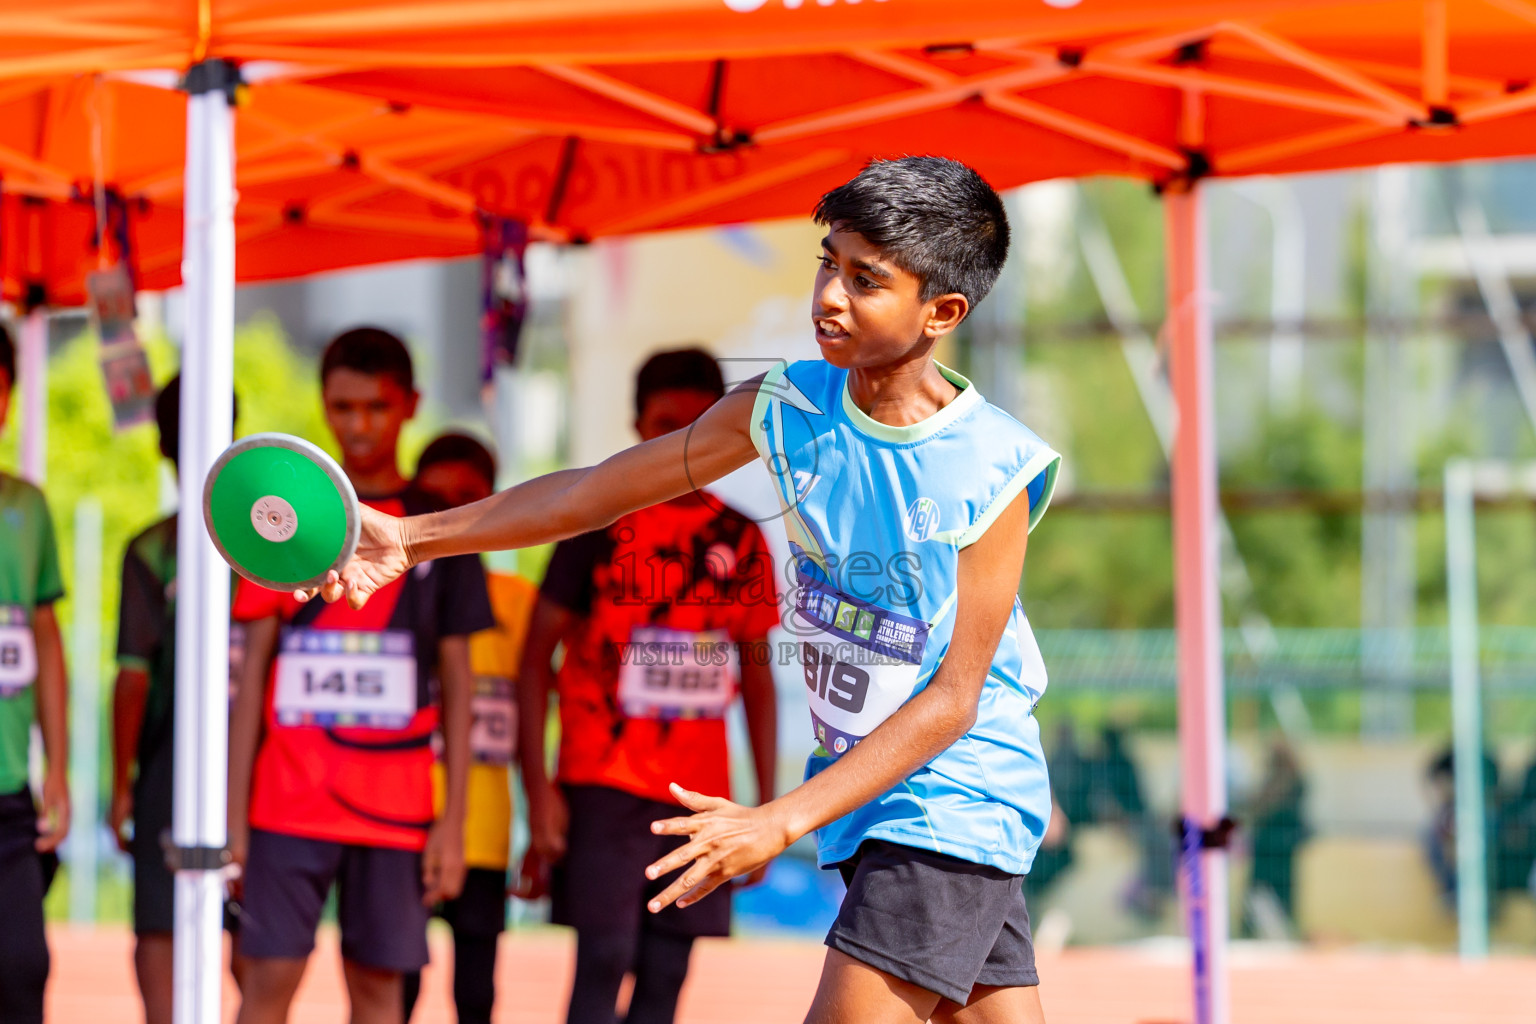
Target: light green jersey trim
[964,402]
[1047,462]
[765,389]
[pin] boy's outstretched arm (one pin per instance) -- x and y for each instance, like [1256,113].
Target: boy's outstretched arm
[729,840]
[53,722]
[555,506]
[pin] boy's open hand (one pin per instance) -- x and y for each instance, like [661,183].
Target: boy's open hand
[381,557]
[53,821]
[442,862]
[728,840]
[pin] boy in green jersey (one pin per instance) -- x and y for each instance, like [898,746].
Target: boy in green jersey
[32,687]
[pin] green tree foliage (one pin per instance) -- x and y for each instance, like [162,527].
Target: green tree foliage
[1304,564]
[1090,569]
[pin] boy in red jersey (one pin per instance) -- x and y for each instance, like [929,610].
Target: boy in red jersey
[634,603]
[330,778]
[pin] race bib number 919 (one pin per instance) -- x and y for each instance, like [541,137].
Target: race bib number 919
[861,662]
[355,680]
[18,651]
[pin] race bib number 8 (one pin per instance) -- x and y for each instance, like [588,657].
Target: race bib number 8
[18,651]
[493,729]
[352,679]
[677,673]
[861,662]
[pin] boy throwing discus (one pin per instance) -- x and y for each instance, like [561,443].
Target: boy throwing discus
[908,501]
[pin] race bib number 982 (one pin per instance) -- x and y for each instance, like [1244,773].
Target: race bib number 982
[356,680]
[677,673]
[861,661]
[18,651]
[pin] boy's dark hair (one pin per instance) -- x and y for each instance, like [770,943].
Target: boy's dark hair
[370,350]
[168,418]
[690,368]
[7,356]
[931,216]
[459,448]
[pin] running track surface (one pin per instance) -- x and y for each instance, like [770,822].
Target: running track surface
[752,981]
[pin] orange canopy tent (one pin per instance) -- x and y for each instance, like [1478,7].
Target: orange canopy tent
[593,117]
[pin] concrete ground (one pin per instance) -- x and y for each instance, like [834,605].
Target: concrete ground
[757,981]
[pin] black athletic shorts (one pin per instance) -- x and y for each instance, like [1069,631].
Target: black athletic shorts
[24,876]
[481,908]
[379,891]
[942,923]
[601,886]
[154,887]
[154,884]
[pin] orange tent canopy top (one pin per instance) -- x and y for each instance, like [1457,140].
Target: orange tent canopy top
[391,125]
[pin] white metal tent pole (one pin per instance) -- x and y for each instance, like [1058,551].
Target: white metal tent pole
[203,582]
[85,712]
[32,368]
[1196,549]
[1466,711]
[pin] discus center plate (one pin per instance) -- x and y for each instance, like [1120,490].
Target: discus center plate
[280,511]
[274,518]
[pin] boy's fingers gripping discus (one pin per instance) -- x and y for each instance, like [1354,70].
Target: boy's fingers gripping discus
[281,512]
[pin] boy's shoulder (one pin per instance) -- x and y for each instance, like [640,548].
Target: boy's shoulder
[155,545]
[23,507]
[806,384]
[16,492]
[997,423]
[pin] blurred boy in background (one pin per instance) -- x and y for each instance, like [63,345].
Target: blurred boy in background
[331,785]
[143,730]
[456,470]
[685,576]
[33,687]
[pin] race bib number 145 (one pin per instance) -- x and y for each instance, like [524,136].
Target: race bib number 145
[355,680]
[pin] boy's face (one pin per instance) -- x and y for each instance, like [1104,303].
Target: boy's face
[454,483]
[671,409]
[365,412]
[867,311]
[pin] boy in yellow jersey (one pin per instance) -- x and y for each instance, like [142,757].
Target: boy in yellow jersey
[456,470]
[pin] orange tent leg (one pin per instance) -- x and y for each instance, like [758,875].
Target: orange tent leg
[1202,719]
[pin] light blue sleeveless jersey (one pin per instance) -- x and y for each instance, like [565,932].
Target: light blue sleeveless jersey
[876,517]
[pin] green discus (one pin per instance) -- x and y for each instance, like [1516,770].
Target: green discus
[280,511]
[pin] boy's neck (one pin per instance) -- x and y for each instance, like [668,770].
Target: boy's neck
[903,393]
[379,482]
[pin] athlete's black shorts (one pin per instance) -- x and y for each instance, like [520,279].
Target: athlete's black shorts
[600,884]
[379,891]
[941,923]
[24,878]
[481,908]
[154,887]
